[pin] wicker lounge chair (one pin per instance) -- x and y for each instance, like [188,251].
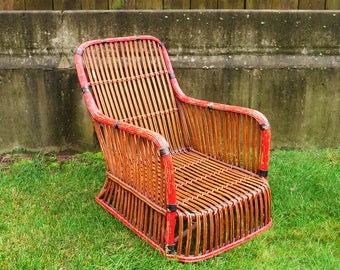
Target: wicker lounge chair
[187,176]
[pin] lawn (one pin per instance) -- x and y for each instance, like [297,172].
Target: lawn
[49,220]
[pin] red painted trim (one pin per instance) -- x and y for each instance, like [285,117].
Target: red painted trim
[171,198]
[265,151]
[80,71]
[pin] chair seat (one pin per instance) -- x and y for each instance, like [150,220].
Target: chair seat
[218,205]
[203,183]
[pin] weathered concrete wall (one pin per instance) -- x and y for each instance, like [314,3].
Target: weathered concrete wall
[283,63]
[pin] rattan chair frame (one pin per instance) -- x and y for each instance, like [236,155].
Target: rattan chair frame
[187,176]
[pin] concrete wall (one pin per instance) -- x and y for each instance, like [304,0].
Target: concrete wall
[283,63]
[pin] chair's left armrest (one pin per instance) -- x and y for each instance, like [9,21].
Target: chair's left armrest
[157,146]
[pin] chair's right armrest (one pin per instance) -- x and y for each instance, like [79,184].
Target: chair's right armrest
[236,135]
[244,141]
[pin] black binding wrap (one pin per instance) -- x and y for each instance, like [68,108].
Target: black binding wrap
[265,126]
[79,51]
[117,124]
[263,173]
[164,151]
[86,89]
[172,75]
[170,249]
[172,207]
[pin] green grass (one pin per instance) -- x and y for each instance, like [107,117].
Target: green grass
[49,220]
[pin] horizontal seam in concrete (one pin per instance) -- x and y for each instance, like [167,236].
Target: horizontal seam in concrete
[257,61]
[205,62]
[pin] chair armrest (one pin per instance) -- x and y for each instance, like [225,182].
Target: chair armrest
[137,156]
[236,135]
[239,136]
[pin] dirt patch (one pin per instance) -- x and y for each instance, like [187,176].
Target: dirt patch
[11,158]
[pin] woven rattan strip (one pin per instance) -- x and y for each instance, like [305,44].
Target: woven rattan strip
[137,77]
[139,117]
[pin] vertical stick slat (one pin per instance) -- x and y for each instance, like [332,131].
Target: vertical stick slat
[158,98]
[138,84]
[120,84]
[172,121]
[105,88]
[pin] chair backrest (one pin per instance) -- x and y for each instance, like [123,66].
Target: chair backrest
[130,82]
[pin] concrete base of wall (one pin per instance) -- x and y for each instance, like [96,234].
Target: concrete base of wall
[283,63]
